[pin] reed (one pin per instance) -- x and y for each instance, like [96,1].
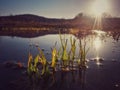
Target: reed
[82,53]
[39,67]
[54,54]
[72,51]
[33,71]
[44,62]
[64,54]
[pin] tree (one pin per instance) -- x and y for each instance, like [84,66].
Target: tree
[79,15]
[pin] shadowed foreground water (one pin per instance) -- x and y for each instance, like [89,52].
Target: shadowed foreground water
[103,75]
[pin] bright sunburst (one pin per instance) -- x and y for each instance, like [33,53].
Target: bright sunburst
[99,7]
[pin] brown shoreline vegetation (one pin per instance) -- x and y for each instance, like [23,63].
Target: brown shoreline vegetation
[32,22]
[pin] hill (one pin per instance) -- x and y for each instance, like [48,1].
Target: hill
[27,22]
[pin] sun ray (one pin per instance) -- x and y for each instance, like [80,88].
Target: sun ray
[98,8]
[97,23]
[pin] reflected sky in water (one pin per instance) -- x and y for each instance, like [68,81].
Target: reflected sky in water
[102,45]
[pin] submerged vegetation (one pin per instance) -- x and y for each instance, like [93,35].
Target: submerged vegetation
[62,60]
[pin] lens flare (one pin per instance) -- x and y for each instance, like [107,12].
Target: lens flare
[99,7]
[97,43]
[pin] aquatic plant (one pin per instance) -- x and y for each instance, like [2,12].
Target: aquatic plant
[37,67]
[73,48]
[44,62]
[40,69]
[32,69]
[54,53]
[72,51]
[64,54]
[82,53]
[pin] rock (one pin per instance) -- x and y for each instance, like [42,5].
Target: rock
[14,65]
[116,85]
[114,60]
[19,65]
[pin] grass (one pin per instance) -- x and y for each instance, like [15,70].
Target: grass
[39,67]
[64,54]
[82,53]
[72,52]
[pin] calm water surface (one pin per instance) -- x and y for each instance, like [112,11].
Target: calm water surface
[104,45]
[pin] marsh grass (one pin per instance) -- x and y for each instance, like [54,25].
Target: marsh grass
[82,53]
[64,53]
[72,52]
[33,71]
[54,59]
[39,68]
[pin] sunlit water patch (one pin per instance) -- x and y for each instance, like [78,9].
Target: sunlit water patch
[101,45]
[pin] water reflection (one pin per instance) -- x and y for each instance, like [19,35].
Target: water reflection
[97,43]
[63,80]
[115,35]
[68,80]
[102,44]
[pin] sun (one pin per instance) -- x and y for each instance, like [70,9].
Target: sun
[99,7]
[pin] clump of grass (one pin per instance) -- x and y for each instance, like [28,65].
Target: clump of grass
[44,62]
[33,71]
[54,53]
[72,51]
[39,67]
[68,57]
[82,53]
[64,54]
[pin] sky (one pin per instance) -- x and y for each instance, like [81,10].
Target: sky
[55,8]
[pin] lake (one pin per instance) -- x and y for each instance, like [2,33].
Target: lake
[103,59]
[101,44]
